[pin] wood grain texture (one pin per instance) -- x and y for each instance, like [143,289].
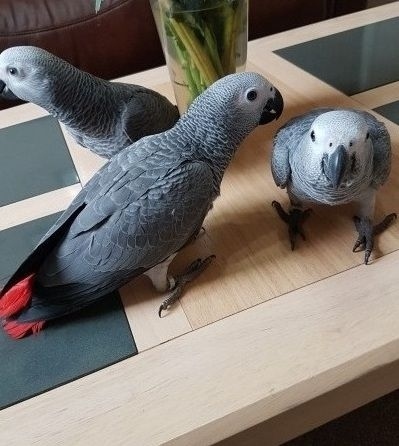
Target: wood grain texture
[141,302]
[37,207]
[259,264]
[221,379]
[378,96]
[20,113]
[320,410]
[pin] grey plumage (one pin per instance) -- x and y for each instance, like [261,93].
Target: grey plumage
[103,116]
[147,203]
[332,156]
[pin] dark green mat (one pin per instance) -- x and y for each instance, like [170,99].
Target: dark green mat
[351,61]
[390,111]
[66,349]
[34,159]
[17,242]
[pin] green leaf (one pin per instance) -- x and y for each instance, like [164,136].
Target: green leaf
[98,5]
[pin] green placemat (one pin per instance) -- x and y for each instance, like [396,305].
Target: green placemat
[34,159]
[390,111]
[65,350]
[17,242]
[351,61]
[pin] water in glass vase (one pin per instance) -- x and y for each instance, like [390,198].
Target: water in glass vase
[203,40]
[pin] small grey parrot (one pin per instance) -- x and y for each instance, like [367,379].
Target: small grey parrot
[102,116]
[333,156]
[140,209]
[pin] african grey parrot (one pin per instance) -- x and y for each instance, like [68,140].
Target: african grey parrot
[102,116]
[333,156]
[140,209]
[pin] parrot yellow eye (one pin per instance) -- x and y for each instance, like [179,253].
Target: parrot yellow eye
[252,95]
[13,71]
[312,136]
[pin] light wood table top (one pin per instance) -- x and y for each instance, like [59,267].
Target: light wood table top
[263,329]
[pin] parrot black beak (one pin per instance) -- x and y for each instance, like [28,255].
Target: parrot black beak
[5,92]
[336,165]
[273,109]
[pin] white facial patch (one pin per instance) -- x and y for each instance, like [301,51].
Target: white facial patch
[340,127]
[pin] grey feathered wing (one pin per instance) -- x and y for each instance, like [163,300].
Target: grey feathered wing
[148,112]
[126,227]
[286,140]
[381,149]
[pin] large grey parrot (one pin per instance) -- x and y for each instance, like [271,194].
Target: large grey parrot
[333,156]
[102,116]
[140,209]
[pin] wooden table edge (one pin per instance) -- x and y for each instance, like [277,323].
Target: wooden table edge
[223,378]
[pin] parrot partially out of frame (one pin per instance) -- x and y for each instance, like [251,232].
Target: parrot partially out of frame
[333,156]
[102,116]
[140,209]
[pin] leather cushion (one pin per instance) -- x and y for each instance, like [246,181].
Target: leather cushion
[120,39]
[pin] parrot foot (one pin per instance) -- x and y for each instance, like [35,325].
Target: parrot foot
[294,219]
[181,280]
[367,232]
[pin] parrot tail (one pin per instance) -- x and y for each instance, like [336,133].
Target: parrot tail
[16,299]
[18,330]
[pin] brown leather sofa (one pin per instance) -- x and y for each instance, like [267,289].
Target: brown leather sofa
[122,37]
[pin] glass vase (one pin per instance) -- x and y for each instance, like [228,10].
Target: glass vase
[203,40]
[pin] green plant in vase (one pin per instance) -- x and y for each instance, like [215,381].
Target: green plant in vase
[203,40]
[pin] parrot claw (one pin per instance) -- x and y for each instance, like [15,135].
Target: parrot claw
[200,233]
[367,232]
[294,219]
[181,280]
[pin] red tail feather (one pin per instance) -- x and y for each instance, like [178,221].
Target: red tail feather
[18,330]
[17,297]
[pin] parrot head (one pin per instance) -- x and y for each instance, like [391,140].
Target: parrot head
[252,98]
[24,73]
[340,146]
[241,100]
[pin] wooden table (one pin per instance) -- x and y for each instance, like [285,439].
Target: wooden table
[268,337]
